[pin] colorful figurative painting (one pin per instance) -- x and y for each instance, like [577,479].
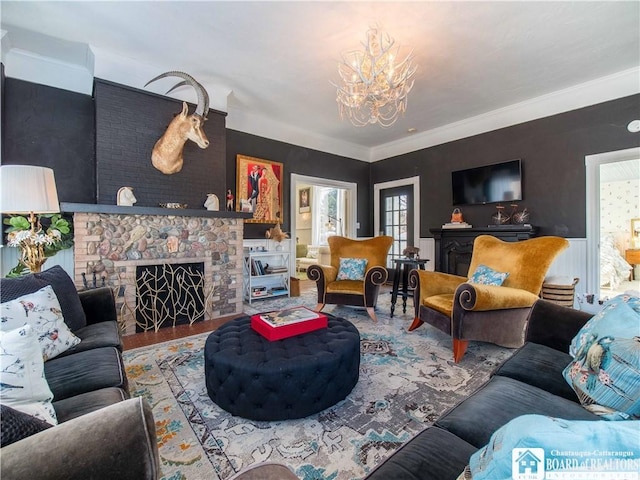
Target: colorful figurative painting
[259,189]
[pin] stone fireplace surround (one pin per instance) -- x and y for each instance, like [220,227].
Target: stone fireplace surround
[111,241]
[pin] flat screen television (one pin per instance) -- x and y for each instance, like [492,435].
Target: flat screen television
[500,182]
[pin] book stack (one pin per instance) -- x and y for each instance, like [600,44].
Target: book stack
[457,225]
[276,269]
[288,323]
[259,292]
[256,267]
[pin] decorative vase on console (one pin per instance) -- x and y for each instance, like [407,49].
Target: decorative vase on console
[520,218]
[514,209]
[500,218]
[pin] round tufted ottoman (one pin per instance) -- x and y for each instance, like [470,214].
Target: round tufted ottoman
[254,378]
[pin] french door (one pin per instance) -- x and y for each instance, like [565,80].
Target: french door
[397,219]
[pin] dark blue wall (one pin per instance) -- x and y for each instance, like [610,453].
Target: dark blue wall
[128,124]
[53,128]
[552,150]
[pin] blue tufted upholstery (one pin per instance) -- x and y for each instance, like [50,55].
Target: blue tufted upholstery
[254,378]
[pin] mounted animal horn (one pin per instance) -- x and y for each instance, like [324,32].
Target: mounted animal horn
[167,152]
[202,108]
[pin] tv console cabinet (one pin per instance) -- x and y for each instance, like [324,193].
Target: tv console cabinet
[454,246]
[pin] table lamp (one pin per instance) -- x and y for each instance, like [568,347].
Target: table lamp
[29,190]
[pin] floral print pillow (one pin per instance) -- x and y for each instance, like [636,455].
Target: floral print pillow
[24,386]
[488,276]
[352,269]
[42,311]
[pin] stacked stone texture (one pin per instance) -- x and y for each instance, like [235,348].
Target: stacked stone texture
[111,246]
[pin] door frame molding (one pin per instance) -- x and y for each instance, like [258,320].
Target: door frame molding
[349,223]
[415,182]
[592,163]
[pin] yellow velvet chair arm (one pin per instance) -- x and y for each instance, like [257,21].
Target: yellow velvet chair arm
[330,273]
[478,297]
[437,283]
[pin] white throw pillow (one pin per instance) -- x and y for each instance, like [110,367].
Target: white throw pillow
[42,311]
[24,386]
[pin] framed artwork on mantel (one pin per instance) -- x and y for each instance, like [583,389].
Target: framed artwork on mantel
[259,189]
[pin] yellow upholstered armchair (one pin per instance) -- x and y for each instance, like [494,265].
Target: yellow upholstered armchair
[488,313]
[358,292]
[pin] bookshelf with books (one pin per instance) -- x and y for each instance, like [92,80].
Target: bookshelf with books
[265,274]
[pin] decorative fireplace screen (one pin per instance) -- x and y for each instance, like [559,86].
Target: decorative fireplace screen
[168,295]
[458,256]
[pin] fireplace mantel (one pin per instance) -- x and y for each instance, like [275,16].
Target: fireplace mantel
[454,246]
[178,212]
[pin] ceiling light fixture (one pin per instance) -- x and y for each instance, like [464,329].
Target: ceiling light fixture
[375,84]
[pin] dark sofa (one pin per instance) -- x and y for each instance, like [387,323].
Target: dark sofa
[87,378]
[530,382]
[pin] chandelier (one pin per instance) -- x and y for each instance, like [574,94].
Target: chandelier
[375,84]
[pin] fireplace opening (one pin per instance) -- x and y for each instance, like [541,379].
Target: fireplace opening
[458,257]
[168,295]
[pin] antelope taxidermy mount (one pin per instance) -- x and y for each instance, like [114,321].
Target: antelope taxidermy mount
[167,152]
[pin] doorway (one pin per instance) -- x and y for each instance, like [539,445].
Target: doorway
[320,208]
[609,215]
[397,214]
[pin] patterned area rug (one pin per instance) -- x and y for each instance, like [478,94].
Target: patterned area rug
[406,381]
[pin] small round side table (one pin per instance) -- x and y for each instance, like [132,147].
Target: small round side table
[401,280]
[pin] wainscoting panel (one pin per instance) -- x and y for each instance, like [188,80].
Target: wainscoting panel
[427,248]
[573,263]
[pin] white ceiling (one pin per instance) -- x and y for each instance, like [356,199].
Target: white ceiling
[620,171]
[481,65]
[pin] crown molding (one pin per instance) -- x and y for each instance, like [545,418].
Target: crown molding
[243,121]
[43,70]
[618,85]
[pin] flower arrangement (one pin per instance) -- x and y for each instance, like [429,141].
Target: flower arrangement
[36,243]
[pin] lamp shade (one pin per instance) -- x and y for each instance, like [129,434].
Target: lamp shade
[25,189]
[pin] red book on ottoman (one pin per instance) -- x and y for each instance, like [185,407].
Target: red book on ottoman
[287,323]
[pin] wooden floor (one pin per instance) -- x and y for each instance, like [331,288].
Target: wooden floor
[165,334]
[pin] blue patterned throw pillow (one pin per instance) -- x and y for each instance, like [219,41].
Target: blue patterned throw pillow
[352,269]
[618,318]
[606,351]
[488,276]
